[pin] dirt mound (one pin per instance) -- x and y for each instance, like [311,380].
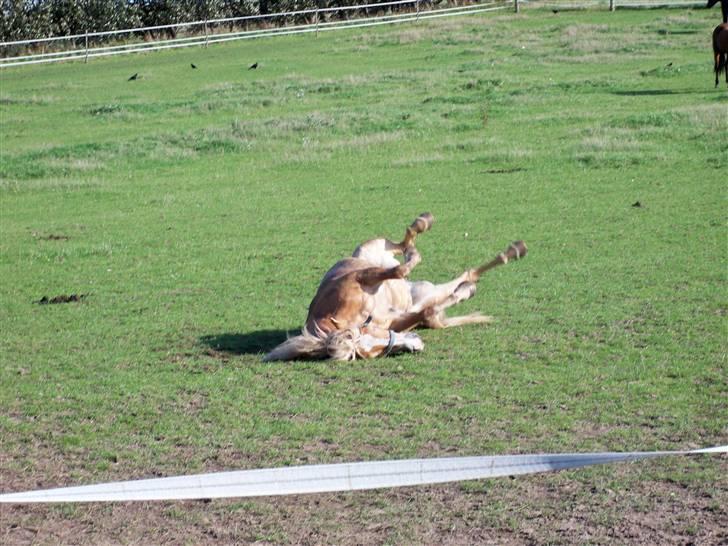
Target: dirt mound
[45,300]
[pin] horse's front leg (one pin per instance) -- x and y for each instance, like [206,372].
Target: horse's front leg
[717,70]
[382,252]
[371,277]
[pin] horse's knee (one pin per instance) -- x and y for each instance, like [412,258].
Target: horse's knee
[434,318]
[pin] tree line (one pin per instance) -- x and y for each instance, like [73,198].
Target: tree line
[28,19]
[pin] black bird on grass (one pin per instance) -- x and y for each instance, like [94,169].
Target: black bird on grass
[134,77]
[193,65]
[253,66]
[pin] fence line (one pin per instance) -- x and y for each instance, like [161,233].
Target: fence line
[208,22]
[86,53]
[360,22]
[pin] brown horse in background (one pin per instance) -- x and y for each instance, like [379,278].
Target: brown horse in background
[720,51]
[723,7]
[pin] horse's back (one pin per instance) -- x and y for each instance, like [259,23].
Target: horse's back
[720,38]
[344,267]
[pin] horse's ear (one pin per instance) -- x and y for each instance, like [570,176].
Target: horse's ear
[304,346]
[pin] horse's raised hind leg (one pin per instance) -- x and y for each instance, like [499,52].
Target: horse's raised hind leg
[426,294]
[430,310]
[435,316]
[515,251]
[439,320]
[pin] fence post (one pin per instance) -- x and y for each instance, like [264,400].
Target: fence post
[611,5]
[517,6]
[317,21]
[85,59]
[417,9]
[206,31]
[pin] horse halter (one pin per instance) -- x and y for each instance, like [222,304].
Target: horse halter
[392,337]
[390,345]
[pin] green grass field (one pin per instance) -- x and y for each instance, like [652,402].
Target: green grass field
[196,211]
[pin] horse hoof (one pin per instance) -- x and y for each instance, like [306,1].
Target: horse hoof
[465,291]
[423,222]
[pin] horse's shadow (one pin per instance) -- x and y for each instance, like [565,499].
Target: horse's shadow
[249,343]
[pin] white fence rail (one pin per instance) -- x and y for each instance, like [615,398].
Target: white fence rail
[203,33]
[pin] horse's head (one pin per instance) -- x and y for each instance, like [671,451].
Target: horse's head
[346,344]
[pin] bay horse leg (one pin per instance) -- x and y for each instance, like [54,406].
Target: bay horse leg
[716,67]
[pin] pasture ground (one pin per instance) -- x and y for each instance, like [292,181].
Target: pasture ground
[196,210]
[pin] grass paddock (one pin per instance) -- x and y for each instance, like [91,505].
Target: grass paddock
[196,210]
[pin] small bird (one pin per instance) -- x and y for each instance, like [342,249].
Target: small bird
[636,204]
[134,77]
[668,65]
[193,65]
[554,11]
[253,66]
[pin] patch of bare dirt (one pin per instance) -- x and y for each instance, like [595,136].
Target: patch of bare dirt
[63,298]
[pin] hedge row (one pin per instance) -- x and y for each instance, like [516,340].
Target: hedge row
[28,19]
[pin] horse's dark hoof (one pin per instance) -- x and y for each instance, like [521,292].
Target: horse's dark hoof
[423,222]
[465,291]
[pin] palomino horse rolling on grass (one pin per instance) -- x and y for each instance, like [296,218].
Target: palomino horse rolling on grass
[365,306]
[720,51]
[723,8]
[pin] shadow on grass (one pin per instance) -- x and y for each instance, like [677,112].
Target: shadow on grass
[645,93]
[666,32]
[655,92]
[250,343]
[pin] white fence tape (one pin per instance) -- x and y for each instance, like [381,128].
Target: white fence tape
[325,478]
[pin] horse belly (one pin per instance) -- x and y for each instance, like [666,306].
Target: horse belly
[393,296]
